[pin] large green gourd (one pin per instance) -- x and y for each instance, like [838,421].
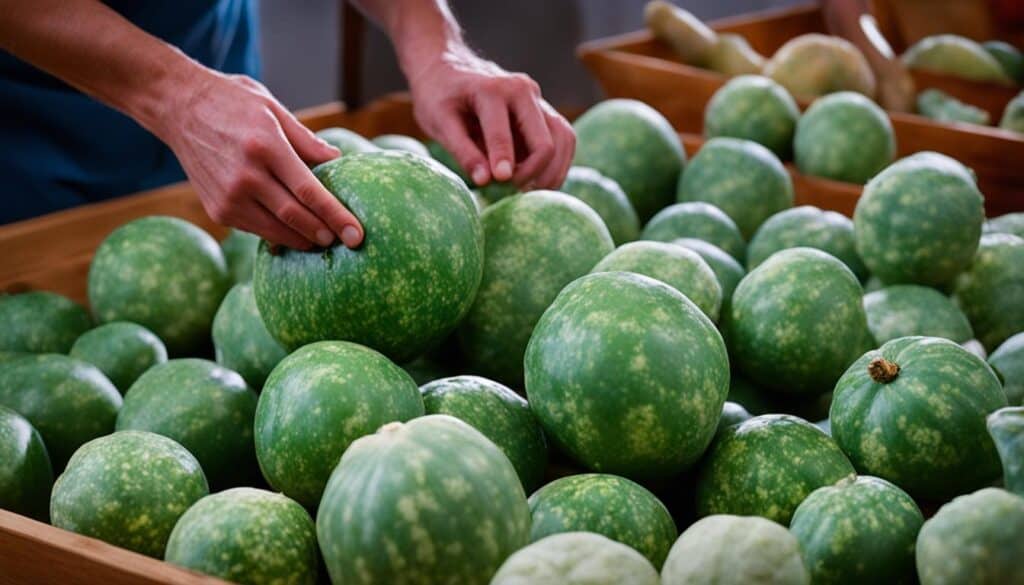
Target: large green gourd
[810,227]
[991,290]
[122,351]
[607,198]
[844,136]
[40,322]
[241,341]
[696,219]
[902,310]
[755,108]
[576,558]
[26,475]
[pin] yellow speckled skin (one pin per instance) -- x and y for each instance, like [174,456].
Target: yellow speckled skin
[40,322]
[991,291]
[755,108]
[576,558]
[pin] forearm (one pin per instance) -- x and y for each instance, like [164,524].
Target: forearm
[94,49]
[422,31]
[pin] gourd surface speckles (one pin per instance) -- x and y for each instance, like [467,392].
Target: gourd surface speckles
[991,290]
[536,244]
[1008,361]
[607,198]
[728,271]
[408,284]
[755,108]
[164,274]
[447,507]
[241,340]
[844,136]
[766,466]
[627,375]
[26,475]
[925,429]
[907,309]
[696,219]
[576,558]
[122,351]
[127,489]
[809,227]
[40,322]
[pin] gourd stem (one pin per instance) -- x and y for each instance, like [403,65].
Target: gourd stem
[882,370]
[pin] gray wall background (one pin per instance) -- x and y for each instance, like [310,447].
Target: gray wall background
[300,42]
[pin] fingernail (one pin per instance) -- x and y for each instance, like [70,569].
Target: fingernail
[503,170]
[479,174]
[350,236]
[324,238]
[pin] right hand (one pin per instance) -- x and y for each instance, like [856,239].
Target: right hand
[248,159]
[896,90]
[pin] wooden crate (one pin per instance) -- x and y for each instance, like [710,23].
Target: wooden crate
[638,66]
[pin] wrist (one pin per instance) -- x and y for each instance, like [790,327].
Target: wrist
[169,87]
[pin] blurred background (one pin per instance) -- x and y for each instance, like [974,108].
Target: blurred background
[301,64]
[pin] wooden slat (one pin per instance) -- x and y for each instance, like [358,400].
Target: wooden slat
[35,553]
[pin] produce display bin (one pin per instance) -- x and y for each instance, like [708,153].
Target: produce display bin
[636,65]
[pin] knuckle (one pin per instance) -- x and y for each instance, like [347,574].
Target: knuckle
[307,192]
[290,215]
[254,146]
[241,185]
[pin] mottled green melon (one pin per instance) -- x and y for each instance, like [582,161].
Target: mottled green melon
[1009,223]
[1006,426]
[732,414]
[973,540]
[908,309]
[919,220]
[991,290]
[239,250]
[727,270]
[735,550]
[128,489]
[576,558]
[676,266]
[627,375]
[206,408]
[400,142]
[607,198]
[796,322]
[1009,57]
[810,227]
[635,146]
[746,394]
[753,107]
[67,400]
[699,220]
[319,400]
[500,414]
[164,274]
[406,287]
[246,535]
[536,244]
[40,322]
[447,507]
[26,476]
[609,505]
[1013,115]
[956,56]
[845,137]
[841,526]
[913,412]
[1008,362]
[742,178]
[939,105]
[347,141]
[491,192]
[766,466]
[241,340]
[813,65]
[122,351]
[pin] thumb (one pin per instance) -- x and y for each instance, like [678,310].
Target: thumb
[311,148]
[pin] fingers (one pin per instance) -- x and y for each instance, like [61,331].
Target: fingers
[492,112]
[533,129]
[452,132]
[287,209]
[254,218]
[564,139]
[311,148]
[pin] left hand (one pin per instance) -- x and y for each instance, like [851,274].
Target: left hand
[495,123]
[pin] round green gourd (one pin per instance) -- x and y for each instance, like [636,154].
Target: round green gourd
[406,287]
[735,550]
[239,250]
[796,322]
[727,270]
[163,273]
[246,535]
[973,540]
[903,310]
[127,489]
[919,220]
[537,243]
[627,375]
[844,136]
[608,505]
[40,322]
[500,414]
[206,408]
[699,220]
[810,227]
[913,412]
[840,526]
[1008,223]
[676,266]
[576,558]
[447,506]
[742,178]
[347,141]
[319,400]
[1006,426]
[67,400]
[753,107]
[991,289]
[241,340]
[1008,362]
[122,351]
[634,145]
[957,56]
[607,198]
[26,476]
[400,142]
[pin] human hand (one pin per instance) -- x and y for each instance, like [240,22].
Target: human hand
[247,158]
[495,123]
[896,89]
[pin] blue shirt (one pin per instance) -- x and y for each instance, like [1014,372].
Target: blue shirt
[60,148]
